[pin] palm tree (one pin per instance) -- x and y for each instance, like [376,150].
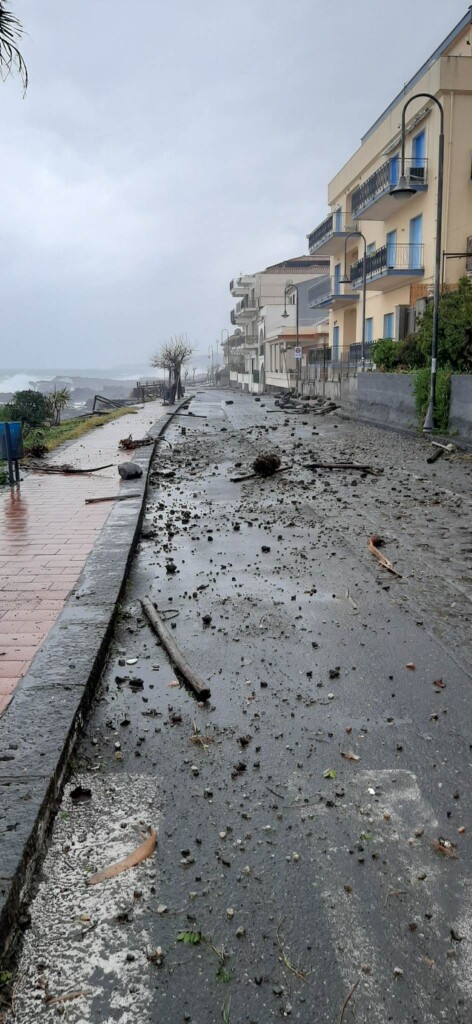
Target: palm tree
[58,400]
[11,60]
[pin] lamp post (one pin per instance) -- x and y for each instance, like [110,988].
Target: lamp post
[405,188]
[347,280]
[291,287]
[210,349]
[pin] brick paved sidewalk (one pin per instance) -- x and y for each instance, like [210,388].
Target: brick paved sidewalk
[46,533]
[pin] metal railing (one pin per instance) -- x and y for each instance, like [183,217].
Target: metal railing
[334,223]
[389,257]
[349,364]
[386,177]
[321,291]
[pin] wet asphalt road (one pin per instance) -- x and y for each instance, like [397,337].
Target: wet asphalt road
[291,873]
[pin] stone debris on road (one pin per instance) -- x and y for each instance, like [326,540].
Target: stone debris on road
[298,874]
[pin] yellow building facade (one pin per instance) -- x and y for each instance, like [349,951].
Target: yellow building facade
[400,233]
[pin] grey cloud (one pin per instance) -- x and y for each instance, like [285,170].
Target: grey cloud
[161,148]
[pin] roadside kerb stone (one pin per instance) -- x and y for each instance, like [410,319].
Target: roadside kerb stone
[39,729]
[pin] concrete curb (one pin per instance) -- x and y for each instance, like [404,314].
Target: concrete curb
[39,730]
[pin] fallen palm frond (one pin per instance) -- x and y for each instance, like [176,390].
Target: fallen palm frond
[374,543]
[136,857]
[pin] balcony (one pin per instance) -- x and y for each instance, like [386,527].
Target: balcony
[372,200]
[244,310]
[235,288]
[390,267]
[329,237]
[241,285]
[327,294]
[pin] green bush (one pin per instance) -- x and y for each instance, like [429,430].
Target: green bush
[421,388]
[30,407]
[454,329]
[384,353]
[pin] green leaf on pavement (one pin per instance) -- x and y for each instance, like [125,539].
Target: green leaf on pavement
[190,938]
[330,773]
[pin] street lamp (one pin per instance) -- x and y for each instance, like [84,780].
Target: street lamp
[347,280]
[405,188]
[210,349]
[291,287]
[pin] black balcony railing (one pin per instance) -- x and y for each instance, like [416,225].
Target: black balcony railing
[320,233]
[386,177]
[336,223]
[389,258]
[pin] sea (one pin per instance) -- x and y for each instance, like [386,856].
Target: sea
[21,380]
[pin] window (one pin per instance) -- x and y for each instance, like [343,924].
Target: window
[389,325]
[369,329]
[338,220]
[391,251]
[337,279]
[371,248]
[335,344]
[418,150]
[416,239]
[394,169]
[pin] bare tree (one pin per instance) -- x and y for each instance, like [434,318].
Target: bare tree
[171,356]
[11,59]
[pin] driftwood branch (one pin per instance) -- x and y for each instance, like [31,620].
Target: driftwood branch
[66,468]
[250,476]
[348,997]
[111,497]
[345,465]
[374,543]
[201,689]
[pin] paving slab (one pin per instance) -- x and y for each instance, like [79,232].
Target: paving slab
[46,534]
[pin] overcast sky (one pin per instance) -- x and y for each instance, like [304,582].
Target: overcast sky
[164,147]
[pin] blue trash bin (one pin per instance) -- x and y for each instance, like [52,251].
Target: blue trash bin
[16,441]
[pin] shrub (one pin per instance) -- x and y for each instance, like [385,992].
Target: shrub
[384,354]
[454,329]
[421,388]
[410,354]
[31,407]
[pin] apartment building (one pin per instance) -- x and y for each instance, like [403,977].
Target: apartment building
[400,232]
[262,301]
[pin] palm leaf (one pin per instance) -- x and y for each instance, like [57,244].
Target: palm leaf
[11,59]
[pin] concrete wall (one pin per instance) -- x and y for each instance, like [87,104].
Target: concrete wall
[460,414]
[388,399]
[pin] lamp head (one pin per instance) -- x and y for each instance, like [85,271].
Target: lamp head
[344,279]
[284,315]
[403,188]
